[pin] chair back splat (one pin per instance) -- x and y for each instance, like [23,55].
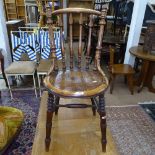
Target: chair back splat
[81,14]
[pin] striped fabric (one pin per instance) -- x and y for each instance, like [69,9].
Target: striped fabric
[15,41]
[24,48]
[24,44]
[33,42]
[45,44]
[29,39]
[18,52]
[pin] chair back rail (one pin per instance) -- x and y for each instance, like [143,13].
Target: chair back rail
[82,14]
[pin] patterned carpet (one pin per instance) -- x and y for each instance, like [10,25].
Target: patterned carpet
[29,104]
[132,129]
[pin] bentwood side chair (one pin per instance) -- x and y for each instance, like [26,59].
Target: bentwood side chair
[120,69]
[75,79]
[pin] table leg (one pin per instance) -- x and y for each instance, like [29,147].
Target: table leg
[149,80]
[143,74]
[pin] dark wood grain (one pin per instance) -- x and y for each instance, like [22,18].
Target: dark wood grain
[50,111]
[101,111]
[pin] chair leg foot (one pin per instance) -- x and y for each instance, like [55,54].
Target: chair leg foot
[35,88]
[9,87]
[112,83]
[57,99]
[50,111]
[130,83]
[93,107]
[101,111]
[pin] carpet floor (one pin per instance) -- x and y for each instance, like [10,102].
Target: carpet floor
[131,127]
[29,104]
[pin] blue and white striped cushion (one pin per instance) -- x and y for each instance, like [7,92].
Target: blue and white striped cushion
[31,53]
[15,41]
[23,45]
[18,52]
[45,44]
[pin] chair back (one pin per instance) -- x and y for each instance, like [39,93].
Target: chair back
[80,14]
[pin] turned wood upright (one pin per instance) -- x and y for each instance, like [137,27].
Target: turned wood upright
[77,80]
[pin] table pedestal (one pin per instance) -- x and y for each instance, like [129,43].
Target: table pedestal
[146,76]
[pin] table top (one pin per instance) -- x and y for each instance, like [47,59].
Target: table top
[139,52]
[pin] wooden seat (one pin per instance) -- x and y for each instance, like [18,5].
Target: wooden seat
[76,78]
[75,83]
[120,69]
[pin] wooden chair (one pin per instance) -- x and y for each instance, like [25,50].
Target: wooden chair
[120,69]
[77,80]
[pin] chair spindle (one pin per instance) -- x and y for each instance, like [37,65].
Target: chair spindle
[62,42]
[80,40]
[71,39]
[100,37]
[89,41]
[51,37]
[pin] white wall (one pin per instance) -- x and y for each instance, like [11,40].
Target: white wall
[135,29]
[4,42]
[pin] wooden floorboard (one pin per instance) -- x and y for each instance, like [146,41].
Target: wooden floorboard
[74,132]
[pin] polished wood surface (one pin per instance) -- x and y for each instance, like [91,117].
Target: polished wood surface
[74,131]
[120,69]
[148,67]
[76,83]
[77,10]
[75,80]
[139,52]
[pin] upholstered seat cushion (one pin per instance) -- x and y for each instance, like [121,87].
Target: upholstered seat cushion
[21,67]
[10,121]
[44,66]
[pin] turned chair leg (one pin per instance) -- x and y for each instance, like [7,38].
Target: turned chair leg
[130,83]
[101,111]
[112,83]
[125,79]
[93,106]
[50,111]
[56,104]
